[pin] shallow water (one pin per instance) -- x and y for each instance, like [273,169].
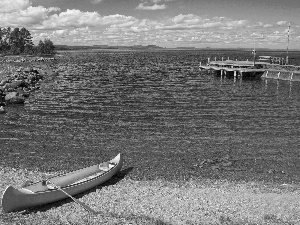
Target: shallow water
[162,112]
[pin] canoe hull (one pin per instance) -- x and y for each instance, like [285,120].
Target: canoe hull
[19,199]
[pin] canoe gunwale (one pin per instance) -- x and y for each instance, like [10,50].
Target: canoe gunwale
[73,184]
[76,183]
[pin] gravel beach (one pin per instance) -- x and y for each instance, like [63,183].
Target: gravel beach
[126,201]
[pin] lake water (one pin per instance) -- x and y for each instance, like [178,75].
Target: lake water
[162,113]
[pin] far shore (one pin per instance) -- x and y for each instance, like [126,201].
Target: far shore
[127,201]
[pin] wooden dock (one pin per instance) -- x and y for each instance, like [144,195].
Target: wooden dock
[235,68]
[260,69]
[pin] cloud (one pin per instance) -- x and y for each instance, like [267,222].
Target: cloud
[96,1]
[8,6]
[192,22]
[70,18]
[267,25]
[74,18]
[144,6]
[27,17]
[153,4]
[60,32]
[236,23]
[88,28]
[186,19]
[282,23]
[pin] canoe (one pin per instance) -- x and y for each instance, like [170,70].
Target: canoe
[73,183]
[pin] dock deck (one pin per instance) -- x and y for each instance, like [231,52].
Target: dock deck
[235,68]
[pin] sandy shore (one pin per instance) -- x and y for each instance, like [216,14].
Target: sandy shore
[125,201]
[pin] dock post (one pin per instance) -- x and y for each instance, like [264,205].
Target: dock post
[208,60]
[234,73]
[200,63]
[267,73]
[278,75]
[215,58]
[292,76]
[228,57]
[222,58]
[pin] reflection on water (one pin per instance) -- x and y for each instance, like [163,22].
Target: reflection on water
[160,117]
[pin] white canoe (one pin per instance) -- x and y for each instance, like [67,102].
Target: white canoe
[73,183]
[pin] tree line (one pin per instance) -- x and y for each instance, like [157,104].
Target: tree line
[19,41]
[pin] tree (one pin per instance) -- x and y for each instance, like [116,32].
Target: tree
[41,47]
[25,41]
[19,41]
[46,47]
[49,47]
[29,49]
[14,42]
[5,33]
[1,39]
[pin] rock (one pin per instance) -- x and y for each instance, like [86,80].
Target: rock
[3,82]
[15,84]
[10,95]
[14,98]
[210,161]
[215,167]
[22,92]
[35,71]
[2,110]
[28,70]
[226,163]
[225,158]
[275,171]
[2,100]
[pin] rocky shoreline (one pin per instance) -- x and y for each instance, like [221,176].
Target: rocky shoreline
[16,87]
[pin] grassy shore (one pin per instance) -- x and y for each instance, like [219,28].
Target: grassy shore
[125,201]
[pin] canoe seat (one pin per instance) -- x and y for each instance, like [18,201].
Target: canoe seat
[106,166]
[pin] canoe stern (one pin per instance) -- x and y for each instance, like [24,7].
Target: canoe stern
[14,199]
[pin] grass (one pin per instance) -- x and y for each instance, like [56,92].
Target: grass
[126,201]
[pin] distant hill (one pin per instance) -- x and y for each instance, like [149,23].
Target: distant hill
[155,47]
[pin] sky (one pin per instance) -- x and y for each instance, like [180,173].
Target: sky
[166,23]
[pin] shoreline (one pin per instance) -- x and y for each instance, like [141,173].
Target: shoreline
[127,201]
